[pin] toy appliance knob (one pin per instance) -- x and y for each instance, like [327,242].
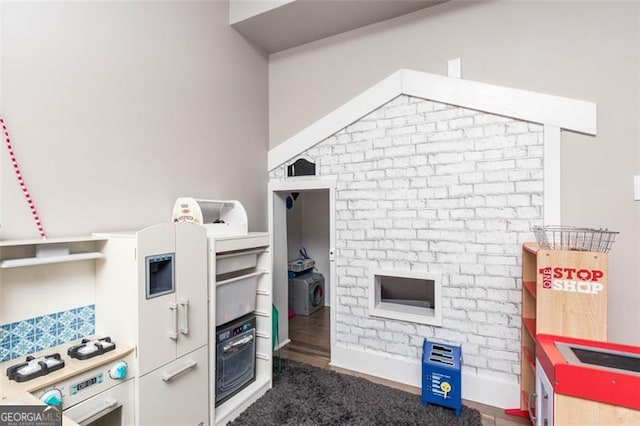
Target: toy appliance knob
[118,371]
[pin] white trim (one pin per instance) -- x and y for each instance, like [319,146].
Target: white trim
[420,315]
[294,184]
[569,114]
[552,176]
[564,113]
[454,68]
[333,298]
[482,389]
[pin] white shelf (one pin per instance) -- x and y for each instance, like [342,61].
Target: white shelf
[32,261]
[33,252]
[34,241]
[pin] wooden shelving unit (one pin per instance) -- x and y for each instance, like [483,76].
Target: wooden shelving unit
[563,293]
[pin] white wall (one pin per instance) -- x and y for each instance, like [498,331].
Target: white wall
[582,50]
[308,227]
[294,228]
[117,108]
[316,234]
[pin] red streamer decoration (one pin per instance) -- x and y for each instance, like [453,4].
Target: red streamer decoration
[23,186]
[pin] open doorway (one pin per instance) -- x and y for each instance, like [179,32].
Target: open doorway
[302,226]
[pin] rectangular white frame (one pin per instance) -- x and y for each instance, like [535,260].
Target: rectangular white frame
[416,314]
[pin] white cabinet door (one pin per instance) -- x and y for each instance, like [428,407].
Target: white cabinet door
[157,316]
[191,282]
[176,394]
[544,398]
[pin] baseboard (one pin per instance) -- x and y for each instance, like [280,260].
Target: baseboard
[478,389]
[282,344]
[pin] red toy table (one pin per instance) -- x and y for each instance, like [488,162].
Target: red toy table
[585,393]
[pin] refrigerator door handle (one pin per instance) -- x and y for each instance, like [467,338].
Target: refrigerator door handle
[173,333]
[184,329]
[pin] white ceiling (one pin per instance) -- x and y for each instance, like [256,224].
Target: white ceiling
[302,21]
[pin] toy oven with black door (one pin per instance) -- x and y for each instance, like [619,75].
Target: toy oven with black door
[235,357]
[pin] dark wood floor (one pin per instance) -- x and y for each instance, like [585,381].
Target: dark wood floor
[311,344]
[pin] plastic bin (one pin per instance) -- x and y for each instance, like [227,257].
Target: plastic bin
[236,297]
[236,261]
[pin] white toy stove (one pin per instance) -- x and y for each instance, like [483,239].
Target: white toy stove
[89,380]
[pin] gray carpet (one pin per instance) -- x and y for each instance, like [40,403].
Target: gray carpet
[306,395]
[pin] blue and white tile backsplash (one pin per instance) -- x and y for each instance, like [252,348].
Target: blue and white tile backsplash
[21,338]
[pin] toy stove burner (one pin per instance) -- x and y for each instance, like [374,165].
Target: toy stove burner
[90,348]
[35,367]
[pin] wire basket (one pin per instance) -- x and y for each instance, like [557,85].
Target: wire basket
[556,237]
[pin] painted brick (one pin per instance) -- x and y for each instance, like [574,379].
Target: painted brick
[494,130]
[476,361]
[495,188]
[400,111]
[402,349]
[399,121]
[495,142]
[403,202]
[398,131]
[528,139]
[496,165]
[446,135]
[382,143]
[478,269]
[424,106]
[529,186]
[529,163]
[459,123]
[360,126]
[399,151]
[457,168]
[528,212]
[426,128]
[482,119]
[514,127]
[456,259]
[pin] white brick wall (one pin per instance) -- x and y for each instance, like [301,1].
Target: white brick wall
[431,187]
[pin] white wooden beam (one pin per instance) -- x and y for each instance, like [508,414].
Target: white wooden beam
[555,111]
[454,68]
[565,113]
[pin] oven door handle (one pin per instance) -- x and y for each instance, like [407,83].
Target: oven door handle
[167,377]
[235,345]
[109,405]
[531,405]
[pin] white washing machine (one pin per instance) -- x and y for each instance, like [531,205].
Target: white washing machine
[306,293]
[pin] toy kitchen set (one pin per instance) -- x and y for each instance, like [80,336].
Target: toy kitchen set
[570,374]
[174,297]
[90,381]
